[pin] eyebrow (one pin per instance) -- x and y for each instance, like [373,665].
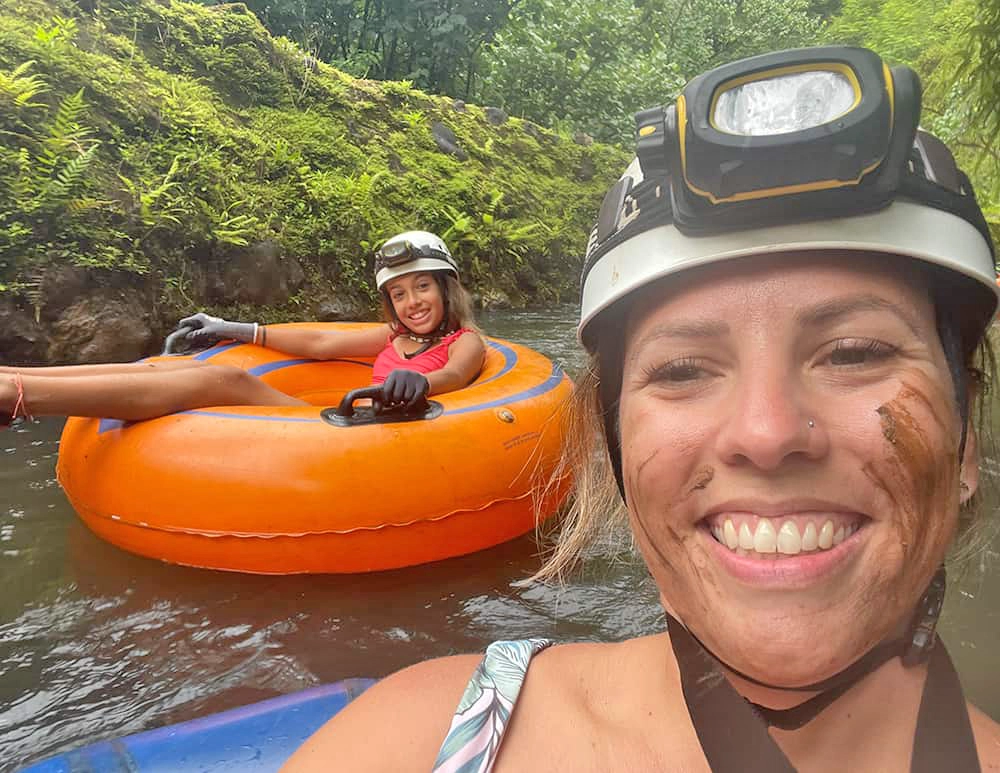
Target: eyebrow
[698,329]
[831,311]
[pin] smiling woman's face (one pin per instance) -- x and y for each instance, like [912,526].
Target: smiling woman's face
[790,455]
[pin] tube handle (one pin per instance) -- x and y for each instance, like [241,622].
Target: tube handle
[178,334]
[373,393]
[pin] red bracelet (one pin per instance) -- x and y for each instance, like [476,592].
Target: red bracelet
[20,406]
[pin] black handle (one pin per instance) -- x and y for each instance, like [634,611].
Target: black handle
[168,345]
[373,393]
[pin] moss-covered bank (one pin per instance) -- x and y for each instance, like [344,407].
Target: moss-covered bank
[160,156]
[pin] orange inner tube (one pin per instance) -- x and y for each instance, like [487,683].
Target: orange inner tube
[279,490]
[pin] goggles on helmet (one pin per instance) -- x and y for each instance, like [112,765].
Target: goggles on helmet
[396,253]
[801,149]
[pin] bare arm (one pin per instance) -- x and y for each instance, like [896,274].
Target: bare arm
[327,345]
[465,360]
[409,712]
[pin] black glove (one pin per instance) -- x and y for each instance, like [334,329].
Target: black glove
[405,387]
[206,326]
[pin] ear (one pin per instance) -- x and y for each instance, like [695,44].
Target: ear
[968,473]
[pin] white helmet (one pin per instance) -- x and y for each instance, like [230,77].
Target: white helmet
[410,252]
[709,185]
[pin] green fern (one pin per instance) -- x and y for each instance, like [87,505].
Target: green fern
[58,190]
[65,136]
[20,88]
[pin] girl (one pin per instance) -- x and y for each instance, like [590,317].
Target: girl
[429,345]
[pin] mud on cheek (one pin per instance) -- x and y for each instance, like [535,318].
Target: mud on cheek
[673,555]
[918,476]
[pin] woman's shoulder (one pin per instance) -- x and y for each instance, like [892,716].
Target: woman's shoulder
[416,703]
[419,702]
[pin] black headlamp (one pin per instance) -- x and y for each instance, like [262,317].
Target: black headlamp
[816,127]
[793,136]
[396,253]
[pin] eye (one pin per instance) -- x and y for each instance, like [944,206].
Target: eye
[860,351]
[683,370]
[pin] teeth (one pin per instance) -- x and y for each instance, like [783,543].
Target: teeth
[764,539]
[787,540]
[826,536]
[810,539]
[729,532]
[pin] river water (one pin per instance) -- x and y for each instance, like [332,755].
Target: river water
[96,643]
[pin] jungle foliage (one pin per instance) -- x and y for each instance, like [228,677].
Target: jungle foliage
[152,137]
[574,64]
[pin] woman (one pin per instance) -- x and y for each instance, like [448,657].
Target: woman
[429,345]
[784,299]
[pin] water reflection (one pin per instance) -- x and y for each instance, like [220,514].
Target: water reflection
[95,642]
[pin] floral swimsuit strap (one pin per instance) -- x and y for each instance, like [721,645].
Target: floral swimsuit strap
[478,726]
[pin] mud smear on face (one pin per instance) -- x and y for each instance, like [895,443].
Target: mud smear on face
[680,566]
[919,477]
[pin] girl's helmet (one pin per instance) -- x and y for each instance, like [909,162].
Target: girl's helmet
[412,251]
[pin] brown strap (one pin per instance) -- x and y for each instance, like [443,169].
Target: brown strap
[944,739]
[732,735]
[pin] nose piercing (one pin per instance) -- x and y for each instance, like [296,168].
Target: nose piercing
[811,423]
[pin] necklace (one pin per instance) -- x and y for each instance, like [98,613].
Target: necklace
[419,339]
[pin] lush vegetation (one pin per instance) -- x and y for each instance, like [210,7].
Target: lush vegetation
[159,138]
[577,64]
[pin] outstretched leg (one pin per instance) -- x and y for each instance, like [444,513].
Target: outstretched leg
[76,371]
[134,396]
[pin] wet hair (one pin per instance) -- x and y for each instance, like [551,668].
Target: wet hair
[457,305]
[595,513]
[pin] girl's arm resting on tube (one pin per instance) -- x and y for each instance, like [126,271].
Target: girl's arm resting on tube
[326,345]
[465,360]
[395,726]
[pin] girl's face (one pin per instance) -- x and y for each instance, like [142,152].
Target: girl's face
[790,455]
[417,301]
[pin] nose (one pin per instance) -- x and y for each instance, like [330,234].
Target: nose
[770,422]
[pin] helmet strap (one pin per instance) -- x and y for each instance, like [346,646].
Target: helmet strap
[949,331]
[912,649]
[733,732]
[611,358]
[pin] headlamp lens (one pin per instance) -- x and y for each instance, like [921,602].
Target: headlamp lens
[784,103]
[393,254]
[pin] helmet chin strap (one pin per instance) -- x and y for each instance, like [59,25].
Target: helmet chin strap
[912,649]
[733,732]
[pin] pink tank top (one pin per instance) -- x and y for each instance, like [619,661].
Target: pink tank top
[433,359]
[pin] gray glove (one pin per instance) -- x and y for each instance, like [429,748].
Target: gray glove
[207,326]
